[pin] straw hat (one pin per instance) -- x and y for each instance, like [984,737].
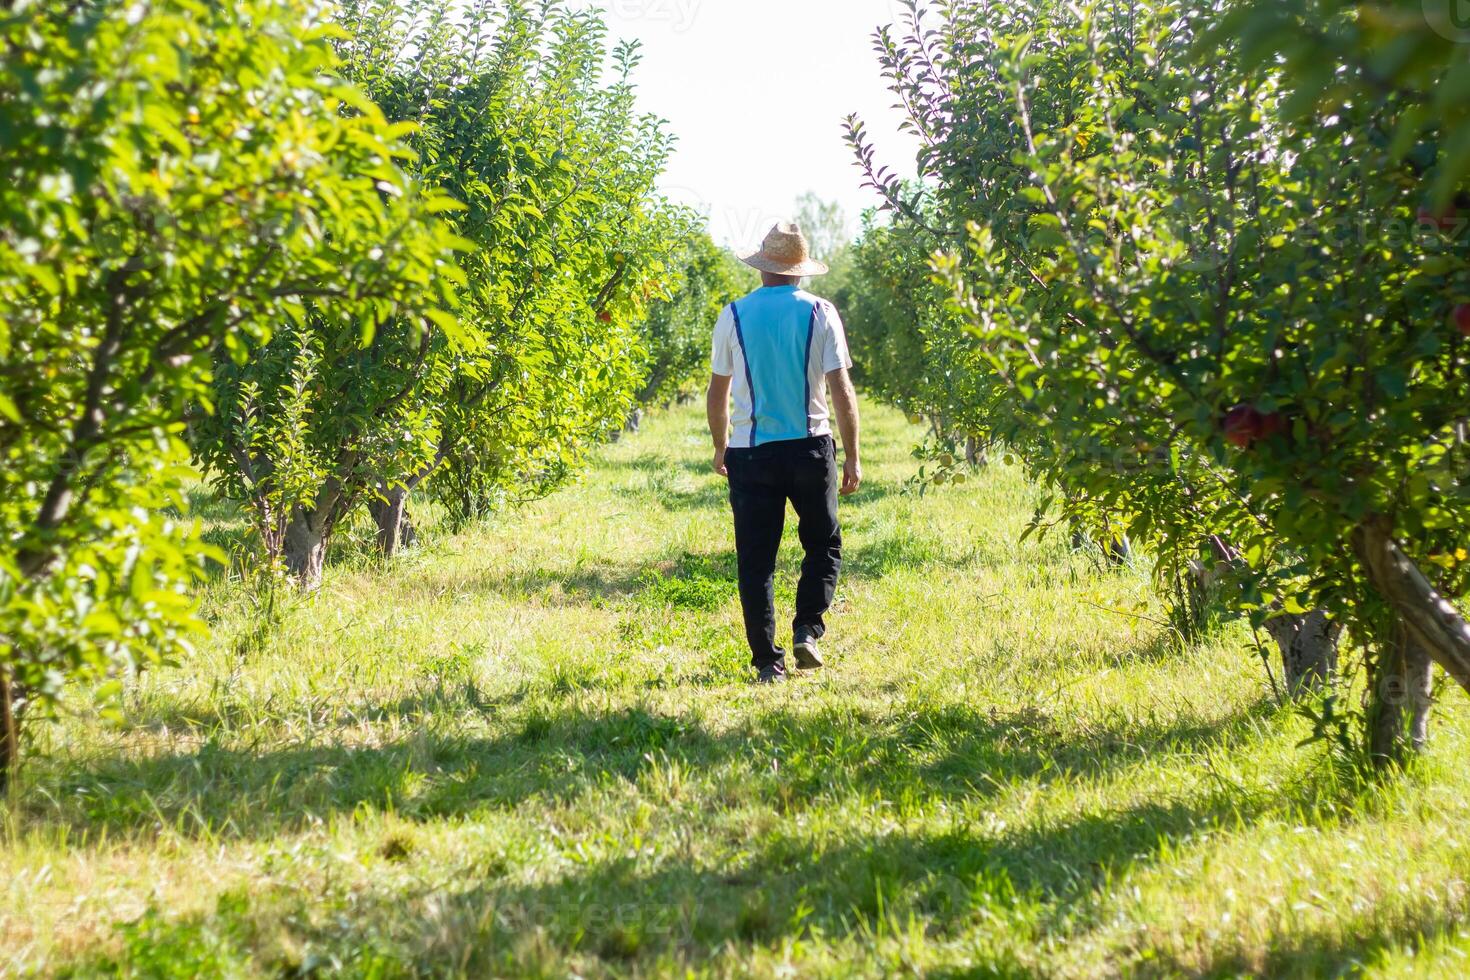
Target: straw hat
[785,252]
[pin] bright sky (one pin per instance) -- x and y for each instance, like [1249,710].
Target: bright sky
[757,91]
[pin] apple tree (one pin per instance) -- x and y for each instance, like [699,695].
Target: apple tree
[179,179]
[1410,62]
[1220,325]
[530,118]
[908,344]
[553,173]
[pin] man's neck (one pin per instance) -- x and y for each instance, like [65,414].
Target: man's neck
[771,281]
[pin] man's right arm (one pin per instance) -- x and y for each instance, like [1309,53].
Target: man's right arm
[845,406]
[717,411]
[717,399]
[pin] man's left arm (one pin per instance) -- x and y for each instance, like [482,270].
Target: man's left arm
[845,407]
[836,361]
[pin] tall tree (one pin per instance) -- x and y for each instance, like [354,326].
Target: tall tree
[554,174]
[178,180]
[825,224]
[1215,324]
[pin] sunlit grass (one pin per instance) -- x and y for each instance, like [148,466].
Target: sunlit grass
[533,749]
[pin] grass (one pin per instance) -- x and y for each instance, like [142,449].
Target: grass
[533,750]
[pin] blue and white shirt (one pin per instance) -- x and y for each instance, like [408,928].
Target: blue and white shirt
[779,343]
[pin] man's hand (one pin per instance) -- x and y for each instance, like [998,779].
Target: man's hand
[852,476]
[717,407]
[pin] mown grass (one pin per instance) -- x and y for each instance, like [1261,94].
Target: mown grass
[533,750]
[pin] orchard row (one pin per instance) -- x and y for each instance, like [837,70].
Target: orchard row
[1206,269]
[335,259]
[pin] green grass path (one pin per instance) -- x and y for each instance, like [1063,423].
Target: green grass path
[534,749]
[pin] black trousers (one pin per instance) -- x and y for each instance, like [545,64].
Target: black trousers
[762,480]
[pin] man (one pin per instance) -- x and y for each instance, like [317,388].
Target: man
[777,350]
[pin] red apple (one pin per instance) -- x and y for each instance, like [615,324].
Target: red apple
[1462,318]
[1273,424]
[1243,426]
[604,317]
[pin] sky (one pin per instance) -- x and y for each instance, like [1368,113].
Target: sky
[756,91]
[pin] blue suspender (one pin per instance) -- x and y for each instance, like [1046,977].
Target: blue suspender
[749,380]
[811,331]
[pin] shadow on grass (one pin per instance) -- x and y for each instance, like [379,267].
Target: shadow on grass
[552,750]
[1355,950]
[866,559]
[1022,884]
[667,481]
[597,583]
[1026,882]
[715,496]
[1003,893]
[218,714]
[1004,889]
[1029,881]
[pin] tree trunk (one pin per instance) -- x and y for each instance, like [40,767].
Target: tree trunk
[1308,646]
[1399,701]
[634,422]
[976,453]
[1432,620]
[1116,548]
[395,526]
[306,549]
[1419,675]
[9,731]
[1119,549]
